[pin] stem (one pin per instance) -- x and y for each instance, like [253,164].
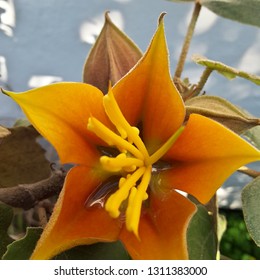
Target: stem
[187,40]
[250,172]
[202,81]
[27,195]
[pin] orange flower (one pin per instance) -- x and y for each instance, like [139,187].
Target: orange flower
[131,150]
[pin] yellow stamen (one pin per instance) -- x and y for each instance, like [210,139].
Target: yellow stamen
[133,160]
[121,162]
[115,200]
[135,201]
[165,147]
[112,138]
[125,129]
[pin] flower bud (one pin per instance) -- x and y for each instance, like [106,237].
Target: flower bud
[111,57]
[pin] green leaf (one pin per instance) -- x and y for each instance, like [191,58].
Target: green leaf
[222,111]
[22,159]
[23,248]
[244,11]
[98,251]
[221,228]
[226,71]
[253,135]
[201,237]
[6,216]
[251,209]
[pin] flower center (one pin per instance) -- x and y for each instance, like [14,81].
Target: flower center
[133,162]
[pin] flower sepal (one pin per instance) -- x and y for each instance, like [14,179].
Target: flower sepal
[111,57]
[222,111]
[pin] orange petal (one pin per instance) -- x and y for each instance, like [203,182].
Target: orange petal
[204,156]
[148,94]
[162,229]
[72,223]
[60,113]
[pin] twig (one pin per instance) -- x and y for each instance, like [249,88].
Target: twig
[187,40]
[250,172]
[202,81]
[27,195]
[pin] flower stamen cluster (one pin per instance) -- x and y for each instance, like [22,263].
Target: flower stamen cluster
[133,162]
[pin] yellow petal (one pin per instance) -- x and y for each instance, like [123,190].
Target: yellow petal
[72,222]
[204,156]
[162,229]
[148,94]
[60,112]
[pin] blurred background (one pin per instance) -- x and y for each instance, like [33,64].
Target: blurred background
[48,41]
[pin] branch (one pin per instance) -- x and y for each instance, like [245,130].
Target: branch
[27,195]
[248,171]
[202,81]
[187,40]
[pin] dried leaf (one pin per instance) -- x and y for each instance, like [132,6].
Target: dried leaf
[222,111]
[111,57]
[3,132]
[225,70]
[22,159]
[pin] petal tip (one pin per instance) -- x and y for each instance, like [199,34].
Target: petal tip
[107,18]
[4,91]
[161,17]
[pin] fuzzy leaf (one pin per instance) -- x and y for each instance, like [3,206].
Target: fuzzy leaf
[23,248]
[221,228]
[222,111]
[22,159]
[111,57]
[251,209]
[6,215]
[253,135]
[244,11]
[98,251]
[201,238]
[226,71]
